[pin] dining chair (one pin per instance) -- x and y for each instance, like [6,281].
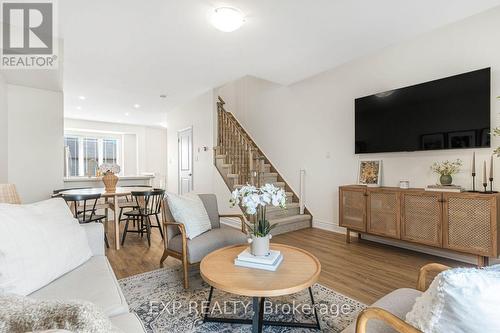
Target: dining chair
[128,202]
[84,207]
[148,204]
[8,194]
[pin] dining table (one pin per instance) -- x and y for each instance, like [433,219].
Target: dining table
[111,201]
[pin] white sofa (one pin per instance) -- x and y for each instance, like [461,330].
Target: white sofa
[94,281]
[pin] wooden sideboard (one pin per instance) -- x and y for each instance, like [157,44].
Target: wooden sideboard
[463,222]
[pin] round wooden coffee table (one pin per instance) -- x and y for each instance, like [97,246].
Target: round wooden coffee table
[298,271]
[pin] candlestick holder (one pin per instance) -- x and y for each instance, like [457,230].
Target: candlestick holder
[473,183]
[491,186]
[485,185]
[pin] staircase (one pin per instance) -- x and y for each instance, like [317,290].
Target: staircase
[240,162]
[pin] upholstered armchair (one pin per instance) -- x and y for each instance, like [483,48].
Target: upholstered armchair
[192,251]
[388,313]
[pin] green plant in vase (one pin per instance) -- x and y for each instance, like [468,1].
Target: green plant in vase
[446,170]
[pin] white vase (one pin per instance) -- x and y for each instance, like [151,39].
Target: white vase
[259,246]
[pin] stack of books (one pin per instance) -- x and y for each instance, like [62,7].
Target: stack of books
[271,262]
[444,188]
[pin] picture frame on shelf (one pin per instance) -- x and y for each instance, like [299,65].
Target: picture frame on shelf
[370,172]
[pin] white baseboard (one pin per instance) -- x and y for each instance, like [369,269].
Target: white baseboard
[330,226]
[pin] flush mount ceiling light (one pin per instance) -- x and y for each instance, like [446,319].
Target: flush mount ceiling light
[82,98]
[136,106]
[227,19]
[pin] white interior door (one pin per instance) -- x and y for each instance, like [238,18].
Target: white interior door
[185,139]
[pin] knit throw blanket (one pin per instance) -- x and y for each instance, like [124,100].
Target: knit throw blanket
[24,314]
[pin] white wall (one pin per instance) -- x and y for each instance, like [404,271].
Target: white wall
[200,114]
[3,132]
[310,124]
[35,141]
[144,148]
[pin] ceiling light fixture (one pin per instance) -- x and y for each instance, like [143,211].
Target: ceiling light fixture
[227,19]
[78,107]
[82,98]
[127,114]
[136,106]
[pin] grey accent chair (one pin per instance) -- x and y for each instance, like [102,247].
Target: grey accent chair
[388,313]
[192,251]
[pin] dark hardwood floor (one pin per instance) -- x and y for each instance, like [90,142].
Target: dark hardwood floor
[363,270]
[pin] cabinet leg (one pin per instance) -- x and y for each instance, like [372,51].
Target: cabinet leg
[348,236]
[359,236]
[483,261]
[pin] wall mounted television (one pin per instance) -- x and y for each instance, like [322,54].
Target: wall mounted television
[449,113]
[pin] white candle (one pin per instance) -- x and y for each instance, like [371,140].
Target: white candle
[474,162]
[485,181]
[491,167]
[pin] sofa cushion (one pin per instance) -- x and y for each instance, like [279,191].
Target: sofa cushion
[208,242]
[399,303]
[94,281]
[38,243]
[189,210]
[210,203]
[128,323]
[460,300]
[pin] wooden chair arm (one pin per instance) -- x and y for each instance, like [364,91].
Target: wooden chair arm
[241,217]
[425,270]
[387,317]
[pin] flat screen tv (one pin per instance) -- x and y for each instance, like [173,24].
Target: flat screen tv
[448,113]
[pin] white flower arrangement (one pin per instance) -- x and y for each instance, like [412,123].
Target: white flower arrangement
[107,168]
[255,200]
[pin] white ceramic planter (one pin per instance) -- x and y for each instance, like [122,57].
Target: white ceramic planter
[259,246]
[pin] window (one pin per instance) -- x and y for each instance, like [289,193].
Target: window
[73,153]
[86,153]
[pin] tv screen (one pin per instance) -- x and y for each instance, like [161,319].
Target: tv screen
[448,113]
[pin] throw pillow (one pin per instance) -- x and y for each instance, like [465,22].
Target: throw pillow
[23,314]
[461,300]
[38,243]
[189,210]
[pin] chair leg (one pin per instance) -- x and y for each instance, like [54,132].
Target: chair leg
[185,267]
[120,216]
[163,257]
[148,230]
[106,240]
[125,231]
[159,225]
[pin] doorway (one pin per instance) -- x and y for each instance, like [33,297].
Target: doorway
[185,142]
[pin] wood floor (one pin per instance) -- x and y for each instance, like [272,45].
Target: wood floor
[362,270]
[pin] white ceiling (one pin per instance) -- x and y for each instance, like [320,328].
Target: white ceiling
[118,53]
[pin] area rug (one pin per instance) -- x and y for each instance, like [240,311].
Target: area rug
[163,305]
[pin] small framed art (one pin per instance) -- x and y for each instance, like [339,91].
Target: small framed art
[369,172]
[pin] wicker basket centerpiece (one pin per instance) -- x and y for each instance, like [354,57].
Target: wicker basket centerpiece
[109,178]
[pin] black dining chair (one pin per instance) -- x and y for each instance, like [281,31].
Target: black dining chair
[84,208]
[128,202]
[148,204]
